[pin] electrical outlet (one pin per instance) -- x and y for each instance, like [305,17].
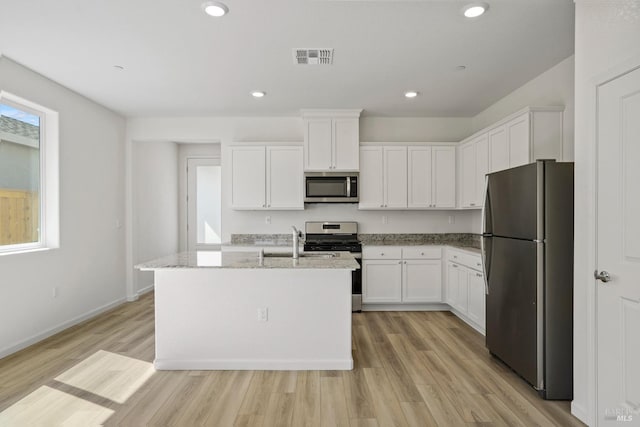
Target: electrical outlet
[263,314]
[385,220]
[267,220]
[452,219]
[54,292]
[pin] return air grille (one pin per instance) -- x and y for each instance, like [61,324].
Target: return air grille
[313,56]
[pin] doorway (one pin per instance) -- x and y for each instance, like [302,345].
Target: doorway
[204,225]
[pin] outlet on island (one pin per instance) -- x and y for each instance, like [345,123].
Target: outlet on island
[263,314]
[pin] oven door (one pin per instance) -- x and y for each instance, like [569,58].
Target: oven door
[323,187]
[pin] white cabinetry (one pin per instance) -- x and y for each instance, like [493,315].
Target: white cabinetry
[406,275]
[534,133]
[331,140]
[266,177]
[413,177]
[465,287]
[474,165]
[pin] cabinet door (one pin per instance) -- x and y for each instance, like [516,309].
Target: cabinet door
[518,134]
[498,149]
[381,281]
[248,178]
[371,182]
[318,144]
[453,284]
[422,281]
[476,301]
[284,178]
[346,144]
[463,290]
[482,167]
[468,174]
[395,177]
[419,177]
[444,176]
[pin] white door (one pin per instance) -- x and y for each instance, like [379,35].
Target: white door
[204,229]
[443,163]
[371,178]
[318,141]
[419,177]
[395,177]
[285,189]
[498,149]
[482,167]
[468,174]
[346,144]
[382,281]
[248,178]
[422,281]
[618,251]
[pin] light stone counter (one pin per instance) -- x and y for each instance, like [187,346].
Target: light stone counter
[251,259]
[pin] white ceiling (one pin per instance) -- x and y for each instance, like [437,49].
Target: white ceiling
[179,61]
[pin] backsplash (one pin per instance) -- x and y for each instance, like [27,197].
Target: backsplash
[460,239]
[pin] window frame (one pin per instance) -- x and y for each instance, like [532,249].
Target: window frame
[48,234]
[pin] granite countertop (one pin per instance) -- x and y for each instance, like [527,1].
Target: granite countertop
[249,259]
[470,242]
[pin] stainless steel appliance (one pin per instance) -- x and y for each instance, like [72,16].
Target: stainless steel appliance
[338,236]
[331,187]
[527,248]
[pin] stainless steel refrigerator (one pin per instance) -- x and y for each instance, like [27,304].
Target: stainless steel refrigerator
[527,248]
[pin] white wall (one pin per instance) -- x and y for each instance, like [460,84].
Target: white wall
[553,87]
[89,267]
[607,35]
[155,201]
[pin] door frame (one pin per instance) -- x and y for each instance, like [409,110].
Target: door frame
[186,202]
[592,176]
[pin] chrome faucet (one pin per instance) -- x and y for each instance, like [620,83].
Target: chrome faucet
[296,242]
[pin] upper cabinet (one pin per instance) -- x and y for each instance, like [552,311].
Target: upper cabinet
[474,165]
[533,134]
[331,140]
[407,177]
[266,177]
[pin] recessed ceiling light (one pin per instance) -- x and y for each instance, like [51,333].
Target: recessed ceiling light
[214,8]
[411,94]
[474,10]
[258,94]
[461,67]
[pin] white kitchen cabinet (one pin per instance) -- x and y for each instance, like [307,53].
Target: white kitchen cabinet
[531,134]
[413,177]
[419,179]
[405,275]
[474,159]
[331,140]
[395,177]
[266,177]
[382,281]
[465,287]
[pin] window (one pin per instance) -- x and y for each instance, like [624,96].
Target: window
[28,176]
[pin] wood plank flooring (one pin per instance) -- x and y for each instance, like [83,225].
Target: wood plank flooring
[411,369]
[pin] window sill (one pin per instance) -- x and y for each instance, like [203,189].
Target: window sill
[24,251]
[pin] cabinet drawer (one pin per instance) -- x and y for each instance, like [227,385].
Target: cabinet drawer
[381,252]
[466,259]
[422,252]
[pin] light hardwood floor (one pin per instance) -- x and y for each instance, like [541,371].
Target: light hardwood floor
[411,369]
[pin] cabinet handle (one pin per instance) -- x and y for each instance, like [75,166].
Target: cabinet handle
[455,256]
[422,253]
[264,206]
[381,253]
[454,265]
[473,204]
[399,262]
[405,262]
[479,264]
[382,206]
[478,274]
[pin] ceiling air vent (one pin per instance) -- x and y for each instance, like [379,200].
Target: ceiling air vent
[313,56]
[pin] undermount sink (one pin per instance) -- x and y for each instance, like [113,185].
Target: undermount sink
[322,255]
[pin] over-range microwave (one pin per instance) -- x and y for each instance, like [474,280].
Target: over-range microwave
[331,187]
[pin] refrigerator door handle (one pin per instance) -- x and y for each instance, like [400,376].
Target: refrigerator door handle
[483,253]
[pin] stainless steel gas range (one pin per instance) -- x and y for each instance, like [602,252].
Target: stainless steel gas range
[338,236]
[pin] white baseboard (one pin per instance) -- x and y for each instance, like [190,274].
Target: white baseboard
[140,292]
[62,326]
[406,307]
[253,364]
[579,412]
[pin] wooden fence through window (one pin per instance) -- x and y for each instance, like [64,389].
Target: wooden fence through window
[19,216]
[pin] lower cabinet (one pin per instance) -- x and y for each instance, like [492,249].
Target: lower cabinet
[465,288]
[413,278]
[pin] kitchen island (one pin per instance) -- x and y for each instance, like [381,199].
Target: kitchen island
[217,310]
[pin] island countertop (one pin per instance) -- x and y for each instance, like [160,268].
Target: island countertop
[250,260]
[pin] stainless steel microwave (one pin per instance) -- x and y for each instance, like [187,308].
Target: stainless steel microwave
[331,187]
